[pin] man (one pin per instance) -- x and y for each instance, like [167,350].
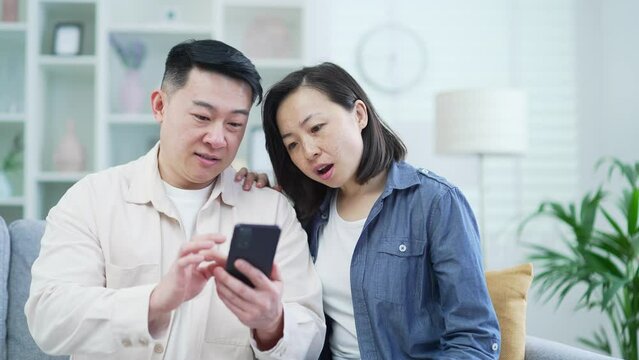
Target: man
[118,278]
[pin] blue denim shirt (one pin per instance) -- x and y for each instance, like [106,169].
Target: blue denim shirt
[417,280]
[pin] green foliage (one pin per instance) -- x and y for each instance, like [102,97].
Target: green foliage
[601,257]
[13,160]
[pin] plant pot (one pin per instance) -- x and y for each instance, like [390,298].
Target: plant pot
[10,10]
[132,92]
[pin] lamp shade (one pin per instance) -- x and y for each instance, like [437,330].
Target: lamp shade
[481,122]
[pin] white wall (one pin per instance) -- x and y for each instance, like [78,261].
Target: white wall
[608,83]
[552,48]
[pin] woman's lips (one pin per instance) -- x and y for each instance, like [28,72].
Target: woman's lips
[325,171]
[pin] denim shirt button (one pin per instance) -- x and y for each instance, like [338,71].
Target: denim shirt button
[402,248]
[495,347]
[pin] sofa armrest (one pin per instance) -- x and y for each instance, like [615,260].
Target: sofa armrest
[542,349]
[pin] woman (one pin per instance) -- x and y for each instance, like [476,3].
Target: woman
[396,248]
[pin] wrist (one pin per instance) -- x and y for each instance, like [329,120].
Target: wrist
[159,316]
[267,338]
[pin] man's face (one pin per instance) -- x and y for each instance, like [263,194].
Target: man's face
[201,127]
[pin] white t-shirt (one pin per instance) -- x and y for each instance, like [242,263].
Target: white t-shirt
[188,203]
[336,245]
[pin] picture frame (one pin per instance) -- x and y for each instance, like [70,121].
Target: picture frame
[67,39]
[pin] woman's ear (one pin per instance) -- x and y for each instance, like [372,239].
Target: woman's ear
[361,114]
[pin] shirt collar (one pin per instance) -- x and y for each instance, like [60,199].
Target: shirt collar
[400,176]
[146,184]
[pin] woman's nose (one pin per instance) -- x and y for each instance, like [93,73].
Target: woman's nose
[311,151]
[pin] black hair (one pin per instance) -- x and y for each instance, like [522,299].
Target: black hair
[209,55]
[381,145]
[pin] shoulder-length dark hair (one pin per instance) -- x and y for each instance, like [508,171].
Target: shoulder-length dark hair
[381,145]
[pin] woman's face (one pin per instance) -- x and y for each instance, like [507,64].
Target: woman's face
[322,138]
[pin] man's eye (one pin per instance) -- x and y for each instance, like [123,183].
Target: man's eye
[201,117]
[236,125]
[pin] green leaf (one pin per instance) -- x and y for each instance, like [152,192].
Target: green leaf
[634,243]
[589,206]
[611,291]
[612,222]
[602,264]
[610,246]
[626,171]
[633,211]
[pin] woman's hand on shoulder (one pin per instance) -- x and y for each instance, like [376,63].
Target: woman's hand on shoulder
[260,180]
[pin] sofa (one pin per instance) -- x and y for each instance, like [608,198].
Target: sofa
[20,245]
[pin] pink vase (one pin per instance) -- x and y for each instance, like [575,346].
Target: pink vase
[132,92]
[69,154]
[9,10]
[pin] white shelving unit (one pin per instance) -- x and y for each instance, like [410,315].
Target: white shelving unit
[13,116]
[94,88]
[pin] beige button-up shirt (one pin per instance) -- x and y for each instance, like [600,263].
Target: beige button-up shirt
[115,233]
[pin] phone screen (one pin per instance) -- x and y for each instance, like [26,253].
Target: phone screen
[255,244]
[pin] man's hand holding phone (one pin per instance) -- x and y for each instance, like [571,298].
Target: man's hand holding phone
[243,284]
[260,308]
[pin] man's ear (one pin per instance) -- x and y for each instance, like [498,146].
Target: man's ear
[361,114]
[158,104]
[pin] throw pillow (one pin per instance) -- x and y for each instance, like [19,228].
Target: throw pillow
[508,290]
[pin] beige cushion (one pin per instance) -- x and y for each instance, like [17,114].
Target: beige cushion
[508,290]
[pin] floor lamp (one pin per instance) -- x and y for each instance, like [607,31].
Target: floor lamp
[482,122]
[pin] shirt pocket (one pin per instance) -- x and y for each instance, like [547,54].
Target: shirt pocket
[224,328]
[118,277]
[398,270]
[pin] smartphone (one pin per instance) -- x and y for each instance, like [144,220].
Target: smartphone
[255,244]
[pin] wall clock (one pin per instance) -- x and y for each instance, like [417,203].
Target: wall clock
[391,58]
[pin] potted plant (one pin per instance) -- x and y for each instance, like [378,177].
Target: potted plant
[12,162]
[602,253]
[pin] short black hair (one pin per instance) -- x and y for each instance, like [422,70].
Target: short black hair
[209,55]
[381,145]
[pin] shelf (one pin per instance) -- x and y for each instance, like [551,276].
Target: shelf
[68,2]
[12,118]
[73,65]
[13,26]
[98,90]
[251,4]
[13,201]
[194,14]
[60,177]
[54,13]
[132,119]
[53,61]
[169,28]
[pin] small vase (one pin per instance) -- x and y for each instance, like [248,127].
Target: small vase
[9,10]
[5,186]
[131,92]
[69,154]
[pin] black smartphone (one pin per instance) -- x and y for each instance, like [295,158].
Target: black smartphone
[255,244]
